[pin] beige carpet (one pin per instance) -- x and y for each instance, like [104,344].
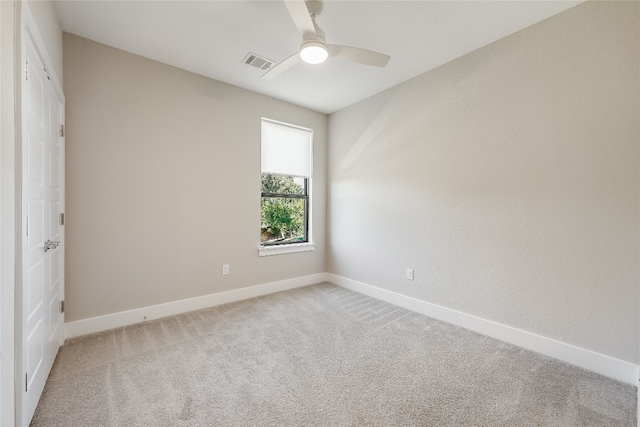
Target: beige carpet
[318,356]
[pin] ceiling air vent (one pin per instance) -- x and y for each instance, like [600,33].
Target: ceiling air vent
[257,61]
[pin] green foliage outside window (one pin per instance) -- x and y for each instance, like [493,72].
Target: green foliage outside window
[283,218]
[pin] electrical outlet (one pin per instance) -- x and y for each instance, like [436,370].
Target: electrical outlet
[409,273]
[225,270]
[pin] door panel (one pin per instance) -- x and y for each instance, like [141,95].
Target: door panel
[35,355]
[35,224]
[55,230]
[53,313]
[35,157]
[54,271]
[35,93]
[42,202]
[54,218]
[35,293]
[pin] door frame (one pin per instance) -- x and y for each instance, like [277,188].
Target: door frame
[29,30]
[8,198]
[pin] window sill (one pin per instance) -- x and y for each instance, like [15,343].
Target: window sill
[285,249]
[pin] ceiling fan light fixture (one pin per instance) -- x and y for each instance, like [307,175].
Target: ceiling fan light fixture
[314,52]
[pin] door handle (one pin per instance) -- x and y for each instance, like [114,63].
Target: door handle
[49,245]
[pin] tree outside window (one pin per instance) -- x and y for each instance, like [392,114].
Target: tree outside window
[283,209]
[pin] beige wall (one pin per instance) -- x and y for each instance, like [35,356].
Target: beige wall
[163,183]
[508,179]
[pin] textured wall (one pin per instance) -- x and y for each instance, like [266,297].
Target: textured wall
[163,183]
[508,179]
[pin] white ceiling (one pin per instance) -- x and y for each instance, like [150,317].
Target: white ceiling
[212,38]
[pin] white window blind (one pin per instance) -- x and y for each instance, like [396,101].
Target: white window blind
[286,150]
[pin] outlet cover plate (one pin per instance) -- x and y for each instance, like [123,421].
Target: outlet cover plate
[409,273]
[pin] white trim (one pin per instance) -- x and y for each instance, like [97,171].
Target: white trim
[602,364]
[285,249]
[8,200]
[138,315]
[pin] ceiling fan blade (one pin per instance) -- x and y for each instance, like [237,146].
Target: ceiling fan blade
[282,67]
[300,15]
[361,56]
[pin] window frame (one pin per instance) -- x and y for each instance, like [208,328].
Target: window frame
[300,246]
[304,196]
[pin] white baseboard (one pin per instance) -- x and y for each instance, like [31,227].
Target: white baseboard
[604,365]
[138,315]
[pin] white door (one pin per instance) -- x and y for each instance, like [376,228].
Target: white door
[42,236]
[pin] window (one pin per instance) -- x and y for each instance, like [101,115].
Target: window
[286,182]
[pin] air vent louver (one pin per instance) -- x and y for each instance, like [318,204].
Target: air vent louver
[257,61]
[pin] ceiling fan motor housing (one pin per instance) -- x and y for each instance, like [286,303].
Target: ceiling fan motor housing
[314,51]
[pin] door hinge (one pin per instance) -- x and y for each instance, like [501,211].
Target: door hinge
[61,130]
[62,306]
[26,382]
[26,227]
[26,70]
[61,219]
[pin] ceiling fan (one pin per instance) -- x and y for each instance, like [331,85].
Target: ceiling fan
[314,48]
